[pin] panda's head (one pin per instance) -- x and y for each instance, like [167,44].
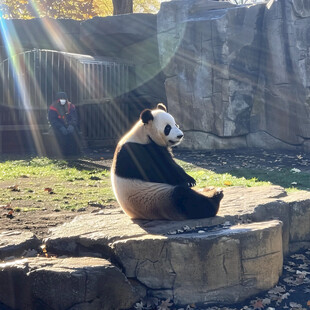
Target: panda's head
[161,127]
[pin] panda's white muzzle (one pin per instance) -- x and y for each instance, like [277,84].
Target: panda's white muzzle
[177,135]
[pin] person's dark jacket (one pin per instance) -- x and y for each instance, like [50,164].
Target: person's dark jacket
[62,117]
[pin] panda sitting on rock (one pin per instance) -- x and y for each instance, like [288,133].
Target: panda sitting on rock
[147,182]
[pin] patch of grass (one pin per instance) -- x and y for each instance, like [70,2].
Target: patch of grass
[59,185]
[206,177]
[285,177]
[54,183]
[19,209]
[209,178]
[44,167]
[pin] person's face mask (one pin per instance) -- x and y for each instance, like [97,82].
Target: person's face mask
[62,101]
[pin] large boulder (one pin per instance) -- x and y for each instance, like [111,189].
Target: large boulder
[242,71]
[15,243]
[223,266]
[177,259]
[68,283]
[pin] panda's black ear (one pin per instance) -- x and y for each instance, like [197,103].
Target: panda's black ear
[161,106]
[146,116]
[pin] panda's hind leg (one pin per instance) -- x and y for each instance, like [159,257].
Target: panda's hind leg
[195,205]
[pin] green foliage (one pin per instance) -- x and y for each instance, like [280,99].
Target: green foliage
[73,9]
[146,6]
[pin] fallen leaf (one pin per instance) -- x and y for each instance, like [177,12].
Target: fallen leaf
[298,256]
[10,214]
[295,305]
[14,188]
[302,274]
[49,190]
[139,306]
[285,296]
[165,305]
[303,266]
[266,301]
[6,207]
[258,304]
[277,290]
[228,183]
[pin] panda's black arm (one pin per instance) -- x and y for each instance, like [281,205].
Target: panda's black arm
[167,170]
[150,163]
[178,174]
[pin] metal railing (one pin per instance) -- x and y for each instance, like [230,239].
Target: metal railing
[29,81]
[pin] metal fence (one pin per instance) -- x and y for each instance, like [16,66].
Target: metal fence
[97,86]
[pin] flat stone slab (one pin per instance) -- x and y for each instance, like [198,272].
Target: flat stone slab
[222,259]
[15,243]
[68,283]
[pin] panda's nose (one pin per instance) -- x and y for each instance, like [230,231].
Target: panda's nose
[180,136]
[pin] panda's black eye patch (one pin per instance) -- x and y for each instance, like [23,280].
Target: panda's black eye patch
[167,130]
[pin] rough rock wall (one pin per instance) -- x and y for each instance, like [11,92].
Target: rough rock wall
[238,76]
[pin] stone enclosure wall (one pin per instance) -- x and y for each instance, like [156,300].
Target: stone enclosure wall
[233,76]
[238,76]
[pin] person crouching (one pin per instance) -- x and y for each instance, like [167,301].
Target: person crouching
[63,119]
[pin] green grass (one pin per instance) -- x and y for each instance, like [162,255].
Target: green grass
[206,177]
[74,187]
[286,178]
[44,167]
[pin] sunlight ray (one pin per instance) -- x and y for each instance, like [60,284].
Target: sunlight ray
[13,46]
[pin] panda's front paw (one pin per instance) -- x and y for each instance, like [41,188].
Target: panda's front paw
[191,182]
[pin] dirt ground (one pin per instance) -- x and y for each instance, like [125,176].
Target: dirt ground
[220,162]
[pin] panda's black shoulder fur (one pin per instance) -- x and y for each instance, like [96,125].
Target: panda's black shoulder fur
[151,163]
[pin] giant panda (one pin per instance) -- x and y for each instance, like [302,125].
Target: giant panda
[147,182]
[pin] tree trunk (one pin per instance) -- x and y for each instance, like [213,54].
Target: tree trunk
[122,7]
